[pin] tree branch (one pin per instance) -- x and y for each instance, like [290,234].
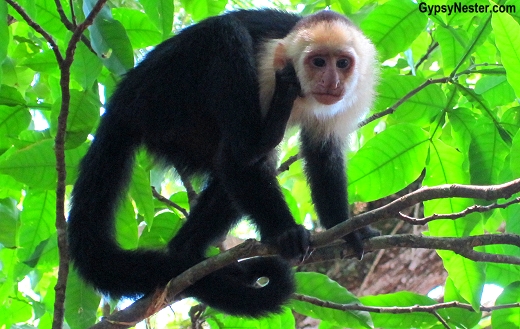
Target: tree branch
[490,192]
[403,99]
[400,310]
[168,202]
[59,149]
[37,28]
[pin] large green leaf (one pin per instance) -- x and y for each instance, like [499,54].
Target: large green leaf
[141,192]
[38,220]
[320,286]
[400,299]
[388,162]
[393,26]
[83,115]
[13,119]
[507,39]
[141,32]
[35,165]
[86,67]
[81,303]
[487,154]
[419,109]
[453,43]
[509,317]
[4,33]
[9,222]
[161,14]
[165,226]
[468,277]
[275,321]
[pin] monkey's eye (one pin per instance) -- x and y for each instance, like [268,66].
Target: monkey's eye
[319,62]
[343,63]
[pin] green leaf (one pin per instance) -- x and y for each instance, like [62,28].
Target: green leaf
[86,67]
[446,166]
[393,26]
[320,286]
[203,8]
[48,18]
[217,320]
[468,276]
[81,303]
[459,318]
[419,109]
[35,165]
[514,161]
[511,120]
[126,225]
[141,192]
[463,122]
[38,220]
[9,222]
[487,154]
[16,310]
[83,115]
[161,14]
[400,299]
[4,33]
[11,96]
[509,317]
[43,62]
[453,44]
[13,119]
[495,89]
[165,226]
[109,38]
[141,32]
[507,39]
[388,162]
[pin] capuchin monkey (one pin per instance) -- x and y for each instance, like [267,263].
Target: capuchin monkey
[215,100]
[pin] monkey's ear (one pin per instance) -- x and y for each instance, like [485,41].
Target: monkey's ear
[280,56]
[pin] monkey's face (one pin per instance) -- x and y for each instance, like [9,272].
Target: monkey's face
[328,74]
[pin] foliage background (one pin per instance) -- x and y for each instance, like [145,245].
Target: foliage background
[448,98]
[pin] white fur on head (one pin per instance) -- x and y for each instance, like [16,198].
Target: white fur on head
[339,119]
[336,120]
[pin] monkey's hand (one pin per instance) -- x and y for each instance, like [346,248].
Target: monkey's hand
[292,243]
[287,83]
[355,239]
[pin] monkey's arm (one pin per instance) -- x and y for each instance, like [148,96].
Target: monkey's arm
[286,90]
[325,169]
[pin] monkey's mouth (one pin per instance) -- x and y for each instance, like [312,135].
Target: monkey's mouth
[327,98]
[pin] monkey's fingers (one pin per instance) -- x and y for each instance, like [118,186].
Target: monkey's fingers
[293,243]
[355,239]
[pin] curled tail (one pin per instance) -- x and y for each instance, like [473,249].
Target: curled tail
[98,258]
[103,177]
[233,289]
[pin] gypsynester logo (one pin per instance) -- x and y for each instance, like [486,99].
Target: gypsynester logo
[458,7]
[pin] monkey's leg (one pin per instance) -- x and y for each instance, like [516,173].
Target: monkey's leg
[209,220]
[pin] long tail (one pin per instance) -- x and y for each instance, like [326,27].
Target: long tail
[98,258]
[104,174]
[233,290]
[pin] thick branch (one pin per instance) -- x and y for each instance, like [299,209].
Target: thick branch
[490,192]
[148,306]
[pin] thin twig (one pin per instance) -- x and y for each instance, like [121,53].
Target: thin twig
[168,202]
[59,149]
[403,99]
